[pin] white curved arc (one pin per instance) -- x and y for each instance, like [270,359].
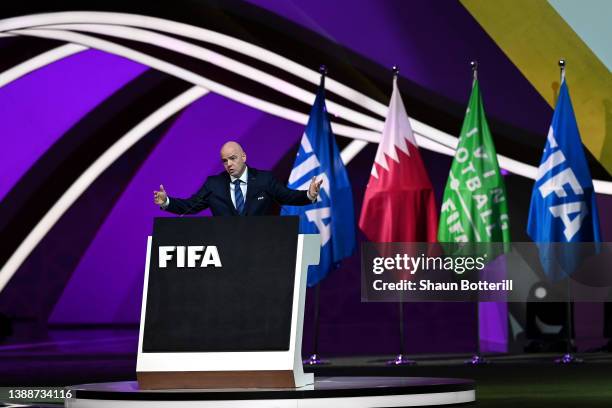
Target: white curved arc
[432,145]
[351,150]
[434,134]
[203,54]
[189,49]
[512,165]
[39,61]
[193,78]
[197,33]
[90,175]
[262,54]
[342,130]
[436,140]
[602,187]
[359,134]
[352,132]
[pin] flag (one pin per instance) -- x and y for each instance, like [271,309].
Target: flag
[563,203]
[474,207]
[332,215]
[399,203]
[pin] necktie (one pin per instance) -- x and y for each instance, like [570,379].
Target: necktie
[239,197]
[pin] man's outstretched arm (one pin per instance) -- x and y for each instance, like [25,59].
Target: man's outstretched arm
[286,196]
[194,204]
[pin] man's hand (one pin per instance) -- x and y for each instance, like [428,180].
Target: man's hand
[159,197]
[313,190]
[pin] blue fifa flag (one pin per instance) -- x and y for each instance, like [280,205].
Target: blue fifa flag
[563,203]
[332,215]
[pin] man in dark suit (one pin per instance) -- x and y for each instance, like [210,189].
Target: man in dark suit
[239,190]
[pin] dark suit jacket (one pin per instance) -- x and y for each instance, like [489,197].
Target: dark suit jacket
[262,188]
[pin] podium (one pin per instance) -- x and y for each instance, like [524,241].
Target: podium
[223,303]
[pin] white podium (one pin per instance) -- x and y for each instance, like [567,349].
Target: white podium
[169,354]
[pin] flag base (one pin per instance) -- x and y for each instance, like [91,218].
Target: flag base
[477,359]
[401,359]
[315,360]
[568,358]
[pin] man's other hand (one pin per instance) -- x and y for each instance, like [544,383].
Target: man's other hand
[159,197]
[313,190]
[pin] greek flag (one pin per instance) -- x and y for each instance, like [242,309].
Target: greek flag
[563,203]
[332,215]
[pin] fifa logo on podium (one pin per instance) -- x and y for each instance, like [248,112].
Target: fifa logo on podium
[195,255]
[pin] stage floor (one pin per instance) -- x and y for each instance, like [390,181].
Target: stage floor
[336,392]
[524,380]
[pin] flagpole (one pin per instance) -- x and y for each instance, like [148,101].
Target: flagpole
[562,69]
[401,358]
[568,357]
[314,357]
[474,65]
[477,358]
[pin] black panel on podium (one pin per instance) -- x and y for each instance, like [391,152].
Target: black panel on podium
[222,308]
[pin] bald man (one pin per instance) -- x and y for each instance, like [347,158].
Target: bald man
[239,190]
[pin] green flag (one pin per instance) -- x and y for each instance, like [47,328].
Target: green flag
[474,208]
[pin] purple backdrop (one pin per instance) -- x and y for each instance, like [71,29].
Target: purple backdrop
[39,108]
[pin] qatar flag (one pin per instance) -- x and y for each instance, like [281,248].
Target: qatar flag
[399,203]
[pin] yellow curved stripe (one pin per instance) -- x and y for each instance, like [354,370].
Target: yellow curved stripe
[534,37]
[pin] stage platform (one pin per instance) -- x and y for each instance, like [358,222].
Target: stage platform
[526,380]
[336,392]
